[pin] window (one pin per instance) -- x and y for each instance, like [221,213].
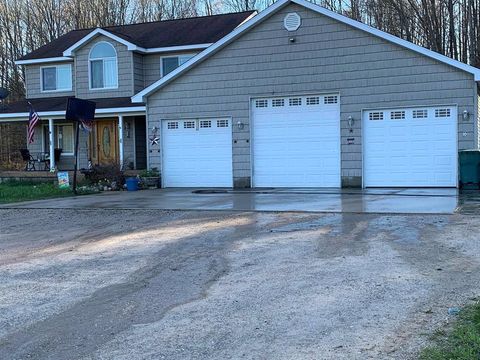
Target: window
[278,102]
[168,64]
[62,138]
[103,66]
[330,100]
[172,125]
[206,124]
[440,113]
[397,115]
[56,78]
[295,101]
[375,116]
[261,103]
[420,114]
[189,125]
[222,123]
[313,100]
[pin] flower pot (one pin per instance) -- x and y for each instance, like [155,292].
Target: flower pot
[151,181]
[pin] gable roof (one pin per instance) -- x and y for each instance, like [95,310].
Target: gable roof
[203,30]
[280,4]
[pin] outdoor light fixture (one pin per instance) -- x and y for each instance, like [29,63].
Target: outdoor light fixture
[466,115]
[351,122]
[240,125]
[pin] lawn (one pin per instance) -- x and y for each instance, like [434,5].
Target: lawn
[14,191]
[462,342]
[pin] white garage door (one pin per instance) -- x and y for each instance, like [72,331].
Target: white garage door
[197,153]
[296,141]
[410,147]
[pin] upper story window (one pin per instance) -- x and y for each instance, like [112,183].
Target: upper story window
[170,63]
[56,78]
[103,66]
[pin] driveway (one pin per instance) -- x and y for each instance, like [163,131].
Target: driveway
[155,284]
[386,201]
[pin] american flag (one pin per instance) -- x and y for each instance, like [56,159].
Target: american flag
[33,119]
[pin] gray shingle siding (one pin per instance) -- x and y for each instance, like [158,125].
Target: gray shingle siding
[327,57]
[125,67]
[138,73]
[33,86]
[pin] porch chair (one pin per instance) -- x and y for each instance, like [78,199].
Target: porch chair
[29,160]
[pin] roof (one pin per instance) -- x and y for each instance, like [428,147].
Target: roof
[232,36]
[157,34]
[58,105]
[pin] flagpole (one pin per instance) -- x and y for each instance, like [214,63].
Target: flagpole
[75,166]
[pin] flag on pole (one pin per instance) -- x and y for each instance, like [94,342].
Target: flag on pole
[33,119]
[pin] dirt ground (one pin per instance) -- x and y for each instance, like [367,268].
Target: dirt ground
[151,284]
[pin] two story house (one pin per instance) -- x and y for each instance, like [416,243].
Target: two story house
[108,66]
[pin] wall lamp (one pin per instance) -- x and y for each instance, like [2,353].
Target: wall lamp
[465,115]
[351,122]
[240,125]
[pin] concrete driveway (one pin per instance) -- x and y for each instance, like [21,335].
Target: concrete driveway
[387,201]
[152,284]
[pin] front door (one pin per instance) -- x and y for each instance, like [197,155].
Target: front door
[104,142]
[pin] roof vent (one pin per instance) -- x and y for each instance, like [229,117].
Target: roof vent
[292,21]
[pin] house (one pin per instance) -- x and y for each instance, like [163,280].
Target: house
[108,66]
[299,96]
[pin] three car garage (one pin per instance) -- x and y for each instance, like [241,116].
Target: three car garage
[323,102]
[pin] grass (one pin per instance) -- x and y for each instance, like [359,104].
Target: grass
[462,342]
[15,191]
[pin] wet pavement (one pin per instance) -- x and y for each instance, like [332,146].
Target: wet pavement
[381,201]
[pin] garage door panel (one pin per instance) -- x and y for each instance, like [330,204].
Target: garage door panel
[198,156]
[296,146]
[415,151]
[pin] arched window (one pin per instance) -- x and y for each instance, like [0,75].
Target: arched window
[103,66]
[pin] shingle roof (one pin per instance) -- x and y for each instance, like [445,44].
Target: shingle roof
[190,31]
[60,104]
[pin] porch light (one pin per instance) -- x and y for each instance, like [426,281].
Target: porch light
[351,122]
[240,125]
[465,115]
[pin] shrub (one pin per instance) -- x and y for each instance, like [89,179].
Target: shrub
[107,175]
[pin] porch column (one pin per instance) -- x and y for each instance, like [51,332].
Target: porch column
[52,144]
[120,139]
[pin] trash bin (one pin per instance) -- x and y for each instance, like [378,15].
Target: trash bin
[132,184]
[469,164]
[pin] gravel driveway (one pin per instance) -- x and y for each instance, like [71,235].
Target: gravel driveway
[150,284]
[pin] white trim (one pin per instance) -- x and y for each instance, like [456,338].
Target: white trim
[191,55]
[43,60]
[103,71]
[173,48]
[60,90]
[70,51]
[278,6]
[128,110]
[120,141]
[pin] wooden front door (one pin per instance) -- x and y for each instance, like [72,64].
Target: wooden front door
[104,142]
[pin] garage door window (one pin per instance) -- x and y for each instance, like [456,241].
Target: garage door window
[420,114]
[397,115]
[222,123]
[295,101]
[330,100]
[189,124]
[205,124]
[441,113]
[373,116]
[261,103]
[278,102]
[313,100]
[172,125]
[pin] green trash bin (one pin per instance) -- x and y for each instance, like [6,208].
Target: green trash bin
[469,164]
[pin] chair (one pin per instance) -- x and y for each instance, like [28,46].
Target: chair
[29,160]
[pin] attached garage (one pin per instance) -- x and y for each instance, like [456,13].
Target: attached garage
[413,147]
[197,153]
[296,141]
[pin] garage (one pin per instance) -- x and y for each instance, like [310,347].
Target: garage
[197,153]
[296,141]
[410,147]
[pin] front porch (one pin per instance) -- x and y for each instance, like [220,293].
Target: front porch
[117,137]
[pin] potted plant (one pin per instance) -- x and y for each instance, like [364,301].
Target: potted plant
[150,178]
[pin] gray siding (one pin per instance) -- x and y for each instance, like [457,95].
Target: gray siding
[327,57]
[125,68]
[138,77]
[33,86]
[129,143]
[151,65]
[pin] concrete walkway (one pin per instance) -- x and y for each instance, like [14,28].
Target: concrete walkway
[399,201]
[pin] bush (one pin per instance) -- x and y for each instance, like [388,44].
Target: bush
[106,175]
[150,173]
